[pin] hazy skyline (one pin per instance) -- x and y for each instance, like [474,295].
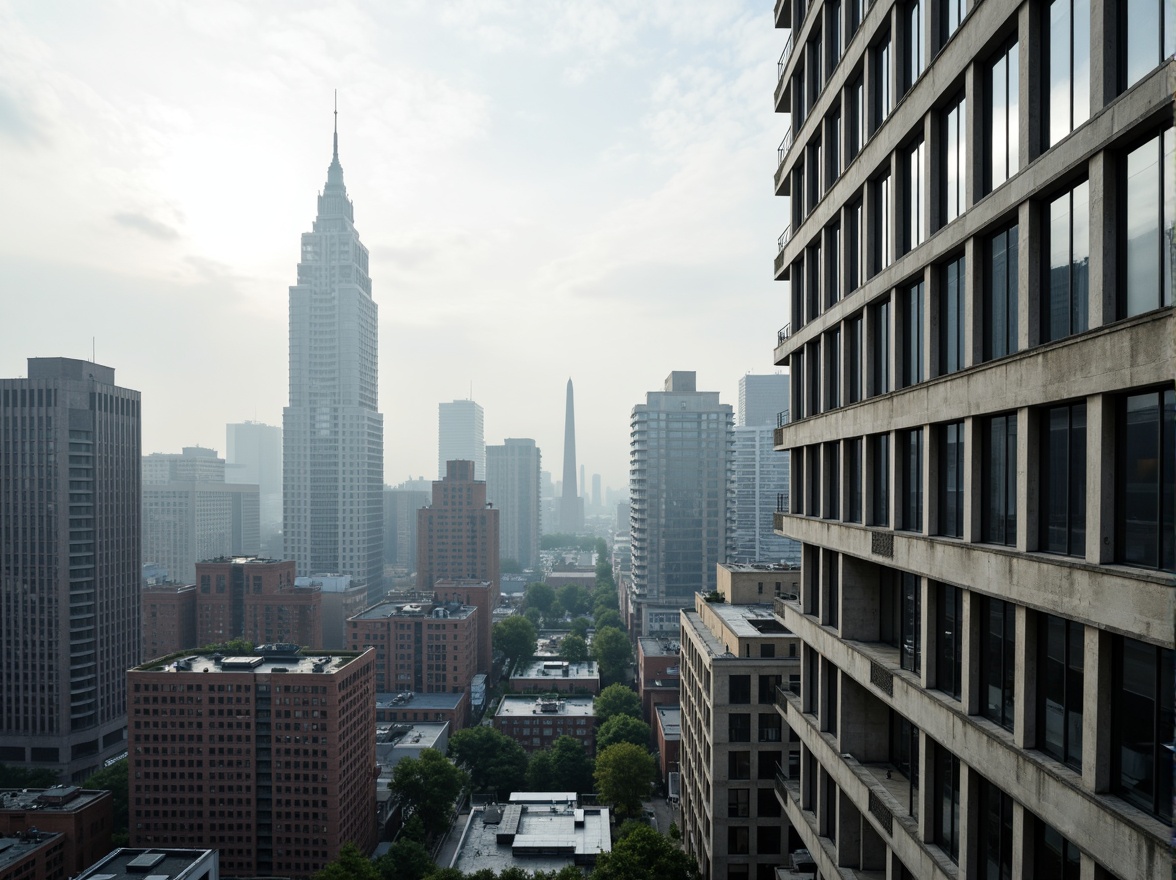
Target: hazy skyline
[547,191]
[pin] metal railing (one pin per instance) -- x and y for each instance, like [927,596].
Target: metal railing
[785,145]
[782,334]
[783,417]
[784,56]
[783,239]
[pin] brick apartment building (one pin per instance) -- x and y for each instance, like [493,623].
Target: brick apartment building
[268,758]
[420,646]
[83,817]
[536,723]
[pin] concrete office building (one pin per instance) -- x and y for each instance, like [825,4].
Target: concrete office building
[736,658]
[981,353]
[512,485]
[70,538]
[332,430]
[276,796]
[760,473]
[253,455]
[190,513]
[680,520]
[461,435]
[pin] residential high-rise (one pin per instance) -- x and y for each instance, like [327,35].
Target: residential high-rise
[760,473]
[276,797]
[679,473]
[333,433]
[512,485]
[571,505]
[253,454]
[69,564]
[190,513]
[981,348]
[457,543]
[461,436]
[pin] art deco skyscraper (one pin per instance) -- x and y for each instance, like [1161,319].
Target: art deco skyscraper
[571,505]
[333,437]
[69,564]
[461,436]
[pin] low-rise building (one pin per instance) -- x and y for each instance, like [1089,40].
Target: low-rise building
[540,835]
[536,723]
[128,863]
[658,673]
[421,647]
[546,675]
[667,732]
[85,818]
[33,855]
[394,743]
[408,707]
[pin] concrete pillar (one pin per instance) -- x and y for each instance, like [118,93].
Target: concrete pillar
[1104,56]
[1033,79]
[1022,843]
[1096,710]
[1030,270]
[893,463]
[1025,453]
[926,792]
[1104,234]
[928,612]
[973,304]
[860,611]
[874,850]
[970,782]
[863,716]
[970,695]
[1025,679]
[973,497]
[1100,485]
[973,155]
[849,832]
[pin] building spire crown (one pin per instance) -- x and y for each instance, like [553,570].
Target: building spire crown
[335,171]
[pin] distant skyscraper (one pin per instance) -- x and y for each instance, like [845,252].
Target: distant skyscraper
[400,525]
[760,473]
[679,467]
[461,436]
[191,514]
[512,485]
[69,565]
[596,496]
[253,454]
[333,434]
[571,505]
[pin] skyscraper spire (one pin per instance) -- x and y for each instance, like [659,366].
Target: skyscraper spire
[571,506]
[335,155]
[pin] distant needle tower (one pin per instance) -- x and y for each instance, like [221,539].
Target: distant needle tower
[571,506]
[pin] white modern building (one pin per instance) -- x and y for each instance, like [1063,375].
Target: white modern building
[461,436]
[333,432]
[512,485]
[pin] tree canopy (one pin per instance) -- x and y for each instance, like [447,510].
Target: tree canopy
[114,780]
[624,776]
[539,596]
[606,617]
[611,649]
[566,766]
[15,776]
[622,728]
[406,859]
[643,854]
[616,699]
[573,648]
[515,637]
[575,599]
[350,864]
[495,762]
[429,785]
[580,627]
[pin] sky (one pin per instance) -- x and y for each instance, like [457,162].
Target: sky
[547,190]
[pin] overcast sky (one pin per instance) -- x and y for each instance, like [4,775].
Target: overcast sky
[547,189]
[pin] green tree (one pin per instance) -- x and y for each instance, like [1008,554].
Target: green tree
[580,627]
[535,616]
[574,598]
[405,860]
[573,648]
[494,761]
[114,780]
[643,854]
[233,647]
[539,596]
[515,637]
[565,766]
[616,699]
[611,649]
[601,549]
[606,617]
[428,786]
[451,874]
[351,864]
[12,776]
[509,566]
[567,872]
[624,775]
[622,728]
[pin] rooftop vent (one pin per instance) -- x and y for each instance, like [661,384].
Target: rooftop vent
[144,862]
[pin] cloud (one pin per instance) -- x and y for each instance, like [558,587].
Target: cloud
[20,123]
[146,225]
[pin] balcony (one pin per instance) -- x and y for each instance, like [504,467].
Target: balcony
[781,178]
[780,243]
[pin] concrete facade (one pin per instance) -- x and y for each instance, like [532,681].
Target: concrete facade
[736,661]
[512,485]
[981,356]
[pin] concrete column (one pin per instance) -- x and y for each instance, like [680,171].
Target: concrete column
[973,496]
[970,695]
[873,857]
[1022,843]
[928,612]
[1104,56]
[860,617]
[1024,454]
[926,792]
[892,449]
[1033,79]
[973,155]
[1025,679]
[970,782]
[973,306]
[849,832]
[1029,274]
[1097,683]
[1104,234]
[1100,485]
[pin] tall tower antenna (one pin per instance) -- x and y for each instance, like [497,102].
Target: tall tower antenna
[336,154]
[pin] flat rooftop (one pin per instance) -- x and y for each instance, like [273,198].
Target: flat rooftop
[414,735]
[416,609]
[533,837]
[517,707]
[759,566]
[750,621]
[651,646]
[411,700]
[670,720]
[13,849]
[541,668]
[265,660]
[58,799]
[145,864]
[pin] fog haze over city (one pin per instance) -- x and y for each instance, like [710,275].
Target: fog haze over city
[546,190]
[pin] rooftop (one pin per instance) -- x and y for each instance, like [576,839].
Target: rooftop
[655,647]
[533,837]
[58,799]
[152,864]
[759,566]
[416,609]
[13,849]
[418,735]
[750,621]
[265,660]
[558,669]
[410,700]
[670,720]
[524,706]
